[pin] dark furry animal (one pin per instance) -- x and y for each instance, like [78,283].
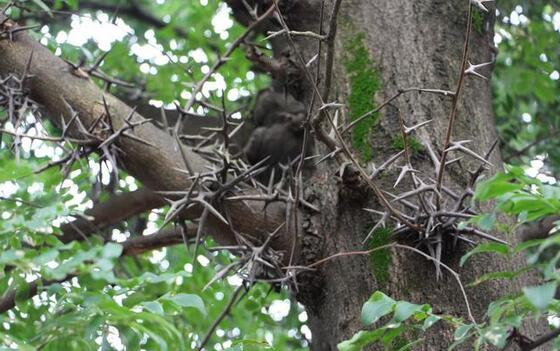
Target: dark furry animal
[278,119]
[276,107]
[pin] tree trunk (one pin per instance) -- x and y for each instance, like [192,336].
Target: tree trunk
[382,47]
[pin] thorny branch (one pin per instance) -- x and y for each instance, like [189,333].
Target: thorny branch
[228,179]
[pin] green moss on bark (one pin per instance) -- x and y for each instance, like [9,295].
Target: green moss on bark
[478,21]
[381,259]
[414,145]
[364,83]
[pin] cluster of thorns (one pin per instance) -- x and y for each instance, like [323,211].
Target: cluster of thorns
[430,214]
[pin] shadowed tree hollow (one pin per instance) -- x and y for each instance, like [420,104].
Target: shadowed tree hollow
[354,173]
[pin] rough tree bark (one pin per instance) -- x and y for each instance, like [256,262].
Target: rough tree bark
[405,44]
[399,44]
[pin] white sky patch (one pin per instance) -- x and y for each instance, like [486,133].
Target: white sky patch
[554,321]
[514,18]
[118,236]
[101,30]
[218,84]
[234,280]
[150,52]
[114,339]
[279,309]
[536,166]
[203,260]
[158,255]
[222,21]
[35,188]
[556,21]
[188,267]
[8,189]
[198,55]
[306,331]
[233,94]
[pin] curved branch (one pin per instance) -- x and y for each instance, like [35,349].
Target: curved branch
[163,238]
[113,211]
[157,162]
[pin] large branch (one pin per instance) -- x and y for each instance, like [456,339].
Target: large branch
[158,164]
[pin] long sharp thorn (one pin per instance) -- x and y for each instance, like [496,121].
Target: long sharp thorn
[410,193]
[459,146]
[407,130]
[207,205]
[199,234]
[386,163]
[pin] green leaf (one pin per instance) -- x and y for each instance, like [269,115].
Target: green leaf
[527,245]
[360,340]
[497,248]
[46,257]
[497,335]
[430,321]
[187,300]
[410,345]
[154,307]
[495,186]
[540,296]
[43,6]
[376,307]
[404,310]
[486,221]
[462,331]
[112,250]
[508,275]
[10,256]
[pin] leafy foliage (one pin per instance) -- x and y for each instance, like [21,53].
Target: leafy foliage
[523,198]
[526,82]
[90,296]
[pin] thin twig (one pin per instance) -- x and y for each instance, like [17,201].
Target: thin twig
[455,105]
[221,317]
[399,246]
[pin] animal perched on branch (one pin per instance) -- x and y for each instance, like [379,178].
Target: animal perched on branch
[278,119]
